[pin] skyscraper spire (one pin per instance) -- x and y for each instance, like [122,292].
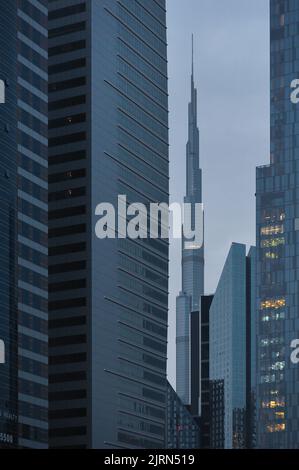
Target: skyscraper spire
[192,258]
[192,76]
[193,175]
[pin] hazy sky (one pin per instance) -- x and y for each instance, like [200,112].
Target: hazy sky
[232,77]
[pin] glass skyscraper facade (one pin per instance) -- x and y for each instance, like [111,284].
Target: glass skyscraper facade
[85,119]
[230,344]
[277,242]
[24,222]
[69,223]
[32,219]
[108,135]
[251,349]
[8,207]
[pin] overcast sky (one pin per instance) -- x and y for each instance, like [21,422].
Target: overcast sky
[231,41]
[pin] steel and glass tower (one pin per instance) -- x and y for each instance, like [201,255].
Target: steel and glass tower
[24,219]
[108,299]
[32,219]
[105,108]
[8,235]
[278,244]
[230,351]
[192,256]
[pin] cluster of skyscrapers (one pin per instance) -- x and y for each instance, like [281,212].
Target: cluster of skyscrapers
[83,322]
[251,396]
[215,333]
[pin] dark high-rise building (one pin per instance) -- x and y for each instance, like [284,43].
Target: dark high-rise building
[195,357]
[251,319]
[192,257]
[24,289]
[200,368]
[8,209]
[32,219]
[277,242]
[108,136]
[182,428]
[229,349]
[205,423]
[107,104]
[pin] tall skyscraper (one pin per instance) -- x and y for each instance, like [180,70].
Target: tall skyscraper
[24,289]
[278,242]
[32,219]
[192,257]
[108,299]
[8,209]
[107,105]
[230,346]
[251,321]
[200,367]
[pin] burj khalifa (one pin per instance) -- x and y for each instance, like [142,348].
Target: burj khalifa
[192,257]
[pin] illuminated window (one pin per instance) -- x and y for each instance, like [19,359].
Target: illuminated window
[273,303]
[272,242]
[268,342]
[273,316]
[272,230]
[280,414]
[274,215]
[271,255]
[276,427]
[278,365]
[273,404]
[266,318]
